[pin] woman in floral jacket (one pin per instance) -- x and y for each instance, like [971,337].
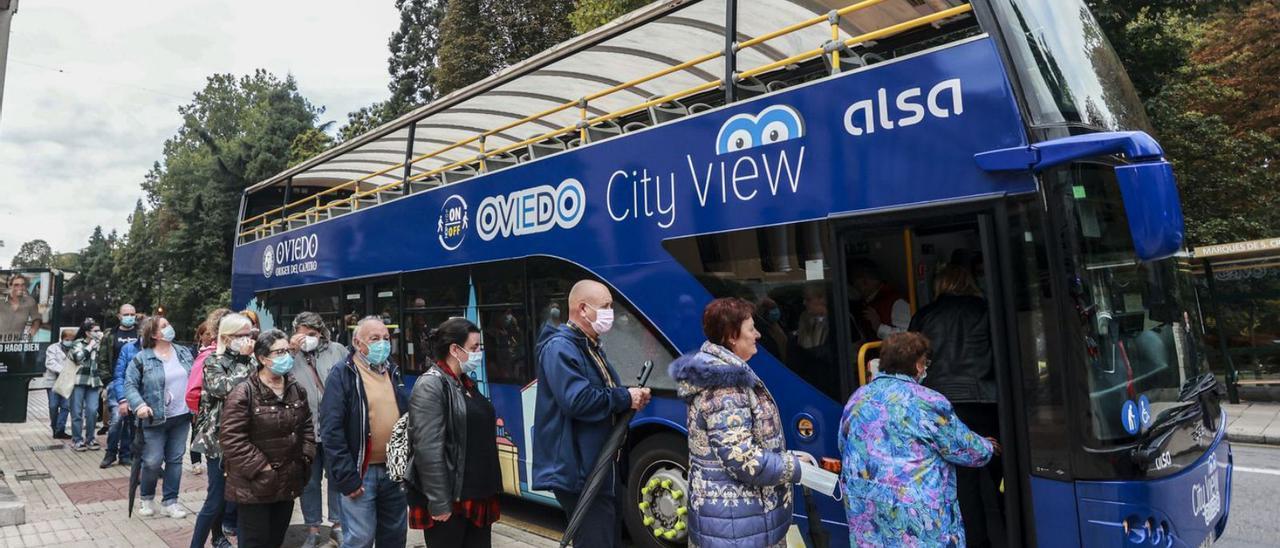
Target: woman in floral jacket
[740,474]
[899,443]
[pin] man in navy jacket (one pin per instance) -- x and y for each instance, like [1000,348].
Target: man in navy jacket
[362,401]
[579,397]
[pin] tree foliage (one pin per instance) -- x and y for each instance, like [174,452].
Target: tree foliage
[466,46]
[592,13]
[33,254]
[1204,70]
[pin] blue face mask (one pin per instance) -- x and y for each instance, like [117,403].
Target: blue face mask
[68,344]
[474,360]
[379,351]
[128,321]
[282,365]
[774,315]
[168,333]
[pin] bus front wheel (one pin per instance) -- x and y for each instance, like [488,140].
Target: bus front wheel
[656,507]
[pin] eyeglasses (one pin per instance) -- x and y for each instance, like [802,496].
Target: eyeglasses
[278,353]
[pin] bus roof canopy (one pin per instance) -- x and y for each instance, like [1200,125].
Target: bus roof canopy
[648,40]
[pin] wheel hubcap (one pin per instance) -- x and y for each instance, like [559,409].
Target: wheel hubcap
[664,502]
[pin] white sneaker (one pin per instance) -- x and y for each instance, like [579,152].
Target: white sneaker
[146,508]
[175,511]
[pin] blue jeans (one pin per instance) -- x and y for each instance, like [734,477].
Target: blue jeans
[120,434]
[380,514]
[59,410]
[84,413]
[165,444]
[311,507]
[210,518]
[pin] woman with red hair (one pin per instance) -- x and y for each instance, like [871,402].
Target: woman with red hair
[740,473]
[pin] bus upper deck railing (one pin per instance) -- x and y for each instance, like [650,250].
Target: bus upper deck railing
[267,223]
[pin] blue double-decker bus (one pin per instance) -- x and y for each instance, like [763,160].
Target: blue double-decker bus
[778,151]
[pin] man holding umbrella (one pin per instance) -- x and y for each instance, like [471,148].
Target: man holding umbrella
[579,397]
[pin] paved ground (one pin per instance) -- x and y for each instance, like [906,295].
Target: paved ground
[71,503]
[1254,423]
[1255,495]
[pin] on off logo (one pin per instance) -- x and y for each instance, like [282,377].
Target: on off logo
[451,227]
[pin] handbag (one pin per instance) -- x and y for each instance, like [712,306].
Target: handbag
[66,382]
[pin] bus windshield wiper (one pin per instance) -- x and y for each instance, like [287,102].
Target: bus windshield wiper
[1192,407]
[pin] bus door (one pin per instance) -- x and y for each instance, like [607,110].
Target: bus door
[932,267]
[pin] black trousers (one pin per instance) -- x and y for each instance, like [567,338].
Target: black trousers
[600,528]
[978,489]
[264,525]
[458,532]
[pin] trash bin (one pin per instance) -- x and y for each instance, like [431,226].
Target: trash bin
[13,397]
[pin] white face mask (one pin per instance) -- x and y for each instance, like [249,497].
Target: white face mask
[311,342]
[604,320]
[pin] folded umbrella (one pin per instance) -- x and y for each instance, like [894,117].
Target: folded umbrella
[135,470]
[603,464]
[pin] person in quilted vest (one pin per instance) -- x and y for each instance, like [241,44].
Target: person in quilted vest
[268,443]
[740,473]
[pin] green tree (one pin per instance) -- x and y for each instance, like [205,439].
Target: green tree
[592,13]
[236,131]
[466,46]
[1190,61]
[310,142]
[413,55]
[527,28]
[33,254]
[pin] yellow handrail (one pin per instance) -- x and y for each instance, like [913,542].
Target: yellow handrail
[585,121]
[862,360]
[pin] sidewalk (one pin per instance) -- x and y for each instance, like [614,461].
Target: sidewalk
[1253,422]
[71,503]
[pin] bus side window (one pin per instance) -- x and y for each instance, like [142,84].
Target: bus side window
[786,272]
[430,297]
[500,299]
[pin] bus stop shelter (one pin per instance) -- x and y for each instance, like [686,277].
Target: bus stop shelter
[1239,292]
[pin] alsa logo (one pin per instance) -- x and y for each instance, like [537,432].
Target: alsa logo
[531,210]
[451,227]
[775,124]
[906,110]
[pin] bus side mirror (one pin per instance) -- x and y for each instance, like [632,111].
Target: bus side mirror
[1147,185]
[1154,210]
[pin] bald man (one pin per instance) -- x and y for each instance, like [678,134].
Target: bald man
[579,398]
[362,401]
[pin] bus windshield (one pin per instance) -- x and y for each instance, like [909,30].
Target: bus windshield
[1134,329]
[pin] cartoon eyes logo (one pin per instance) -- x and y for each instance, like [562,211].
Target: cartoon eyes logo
[775,124]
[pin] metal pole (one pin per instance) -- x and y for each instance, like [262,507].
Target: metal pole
[730,51]
[408,157]
[1233,395]
[7,9]
[288,192]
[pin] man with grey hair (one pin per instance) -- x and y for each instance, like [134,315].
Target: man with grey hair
[315,356]
[362,401]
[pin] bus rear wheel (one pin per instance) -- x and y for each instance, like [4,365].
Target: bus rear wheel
[656,507]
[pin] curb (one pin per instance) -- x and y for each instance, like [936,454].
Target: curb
[1256,439]
[12,510]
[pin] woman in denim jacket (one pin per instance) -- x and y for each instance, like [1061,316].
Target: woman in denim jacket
[156,387]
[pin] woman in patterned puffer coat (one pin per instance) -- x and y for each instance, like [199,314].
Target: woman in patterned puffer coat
[899,445]
[740,473]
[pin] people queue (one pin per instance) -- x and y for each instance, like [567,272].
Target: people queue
[278,416]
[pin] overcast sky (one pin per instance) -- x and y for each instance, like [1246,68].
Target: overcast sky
[93,87]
